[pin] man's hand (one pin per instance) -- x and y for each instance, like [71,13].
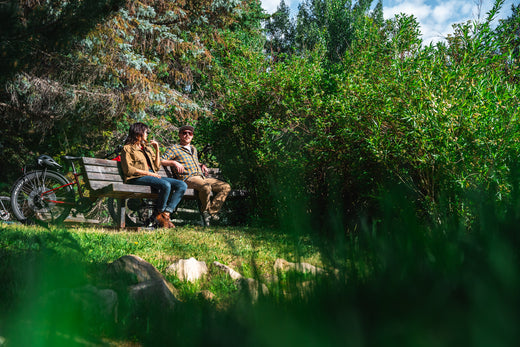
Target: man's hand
[204,169]
[179,168]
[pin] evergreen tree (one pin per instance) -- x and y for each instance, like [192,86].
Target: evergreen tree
[280,31]
[26,29]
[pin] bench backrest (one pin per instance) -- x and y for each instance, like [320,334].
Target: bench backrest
[99,173]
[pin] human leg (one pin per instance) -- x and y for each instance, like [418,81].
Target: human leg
[163,188]
[220,190]
[178,188]
[201,185]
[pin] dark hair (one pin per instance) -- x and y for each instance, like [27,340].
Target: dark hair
[136,130]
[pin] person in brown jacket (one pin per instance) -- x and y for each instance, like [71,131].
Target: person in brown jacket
[140,161]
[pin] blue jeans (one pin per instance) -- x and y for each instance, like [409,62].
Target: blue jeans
[170,191]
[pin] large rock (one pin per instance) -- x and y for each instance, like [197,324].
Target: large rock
[226,269]
[151,297]
[147,293]
[190,270]
[134,269]
[282,265]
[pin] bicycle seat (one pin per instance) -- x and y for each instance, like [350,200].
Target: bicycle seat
[68,157]
[45,160]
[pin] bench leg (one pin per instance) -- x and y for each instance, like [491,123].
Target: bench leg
[122,214]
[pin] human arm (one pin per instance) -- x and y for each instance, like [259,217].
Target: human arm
[147,173]
[157,160]
[178,166]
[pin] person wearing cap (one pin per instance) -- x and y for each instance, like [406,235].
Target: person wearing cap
[140,162]
[183,158]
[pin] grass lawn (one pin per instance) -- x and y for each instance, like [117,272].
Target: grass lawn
[250,251]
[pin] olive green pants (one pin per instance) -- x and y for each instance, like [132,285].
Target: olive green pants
[206,185]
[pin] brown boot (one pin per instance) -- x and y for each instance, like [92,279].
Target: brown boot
[163,219]
[167,217]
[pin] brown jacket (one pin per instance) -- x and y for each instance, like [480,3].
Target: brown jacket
[132,158]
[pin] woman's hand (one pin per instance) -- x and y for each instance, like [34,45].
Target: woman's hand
[155,144]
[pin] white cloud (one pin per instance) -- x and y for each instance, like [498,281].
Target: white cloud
[437,17]
[270,5]
[418,8]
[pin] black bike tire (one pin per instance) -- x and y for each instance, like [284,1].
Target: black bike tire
[24,194]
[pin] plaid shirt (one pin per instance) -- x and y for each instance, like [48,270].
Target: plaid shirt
[183,156]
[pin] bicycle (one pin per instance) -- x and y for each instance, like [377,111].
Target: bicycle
[45,195]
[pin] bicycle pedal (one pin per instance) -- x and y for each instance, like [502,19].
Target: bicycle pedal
[4,215]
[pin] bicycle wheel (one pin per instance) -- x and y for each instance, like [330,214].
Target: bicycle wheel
[138,212]
[42,196]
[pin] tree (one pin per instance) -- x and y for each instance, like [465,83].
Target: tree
[508,32]
[75,65]
[280,31]
[331,23]
[26,29]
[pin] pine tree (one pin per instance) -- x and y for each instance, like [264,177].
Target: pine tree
[280,31]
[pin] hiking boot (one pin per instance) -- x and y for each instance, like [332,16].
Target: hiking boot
[163,219]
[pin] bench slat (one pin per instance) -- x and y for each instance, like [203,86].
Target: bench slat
[125,191]
[95,176]
[100,162]
[102,169]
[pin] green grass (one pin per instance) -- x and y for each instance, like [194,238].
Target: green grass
[35,261]
[400,282]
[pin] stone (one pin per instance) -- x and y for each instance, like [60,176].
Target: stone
[249,285]
[151,296]
[190,270]
[283,265]
[145,289]
[137,269]
[226,269]
[206,295]
[253,287]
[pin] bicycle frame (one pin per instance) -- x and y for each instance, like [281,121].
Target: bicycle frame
[75,182]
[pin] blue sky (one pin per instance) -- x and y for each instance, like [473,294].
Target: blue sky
[435,16]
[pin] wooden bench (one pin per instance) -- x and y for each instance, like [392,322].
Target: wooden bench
[104,179]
